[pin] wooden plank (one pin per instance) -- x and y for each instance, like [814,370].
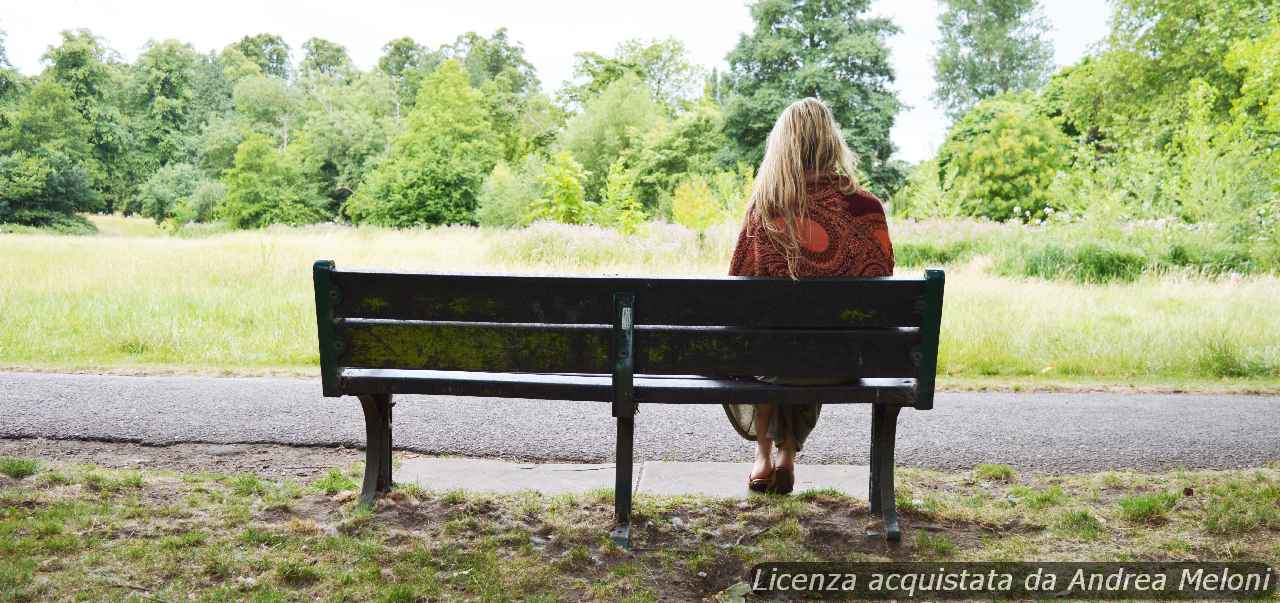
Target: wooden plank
[542,348]
[682,389]
[326,296]
[729,301]
[935,281]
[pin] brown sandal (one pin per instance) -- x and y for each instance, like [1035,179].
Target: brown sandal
[760,484]
[784,480]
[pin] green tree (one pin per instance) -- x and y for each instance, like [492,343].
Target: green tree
[694,206]
[485,59]
[693,143]
[164,93]
[264,187]
[435,169]
[563,199]
[620,208]
[509,192]
[663,65]
[610,126]
[988,48]
[1000,159]
[167,190]
[269,52]
[345,127]
[829,49]
[407,63]
[44,188]
[324,58]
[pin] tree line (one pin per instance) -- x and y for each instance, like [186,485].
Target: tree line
[459,133]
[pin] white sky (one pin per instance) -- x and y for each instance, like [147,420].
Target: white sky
[550,30]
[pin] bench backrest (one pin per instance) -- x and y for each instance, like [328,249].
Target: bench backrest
[726,326]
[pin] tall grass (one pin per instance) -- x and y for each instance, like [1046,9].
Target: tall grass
[244,300]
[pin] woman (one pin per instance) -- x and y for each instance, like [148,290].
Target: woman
[807,218]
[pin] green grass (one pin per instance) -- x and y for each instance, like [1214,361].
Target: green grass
[1148,508]
[59,541]
[18,468]
[994,473]
[132,299]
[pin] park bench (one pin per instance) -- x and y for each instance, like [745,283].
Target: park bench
[628,341]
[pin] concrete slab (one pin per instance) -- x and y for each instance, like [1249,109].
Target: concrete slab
[730,479]
[488,475]
[661,478]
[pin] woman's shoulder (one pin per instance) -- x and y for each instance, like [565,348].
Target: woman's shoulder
[862,202]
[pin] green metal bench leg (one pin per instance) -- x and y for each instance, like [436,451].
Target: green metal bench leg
[884,426]
[621,533]
[377,457]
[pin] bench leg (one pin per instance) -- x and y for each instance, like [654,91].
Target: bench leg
[881,495]
[621,533]
[377,456]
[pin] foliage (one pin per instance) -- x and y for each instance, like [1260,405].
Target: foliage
[989,48]
[1001,158]
[324,58]
[620,208]
[695,207]
[611,125]
[168,189]
[435,169]
[563,199]
[693,143]
[663,65]
[269,52]
[829,49]
[43,189]
[264,187]
[508,193]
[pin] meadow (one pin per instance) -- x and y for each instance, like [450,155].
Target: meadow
[134,298]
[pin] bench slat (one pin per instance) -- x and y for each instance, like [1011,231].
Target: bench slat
[671,389]
[730,301]
[545,348]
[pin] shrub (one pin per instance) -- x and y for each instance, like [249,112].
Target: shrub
[509,192]
[695,207]
[1002,155]
[563,200]
[44,189]
[620,209]
[171,187]
[266,187]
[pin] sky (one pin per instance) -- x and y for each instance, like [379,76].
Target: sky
[550,30]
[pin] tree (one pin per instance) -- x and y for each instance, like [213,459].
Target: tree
[1000,159]
[694,143]
[485,59]
[827,49]
[435,168]
[269,52]
[44,188]
[165,75]
[563,198]
[663,65]
[407,63]
[167,190]
[264,187]
[611,125]
[988,48]
[325,58]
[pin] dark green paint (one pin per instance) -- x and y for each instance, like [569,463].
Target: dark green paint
[321,273]
[930,331]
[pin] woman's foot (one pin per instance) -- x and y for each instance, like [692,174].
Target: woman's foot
[784,471]
[761,475]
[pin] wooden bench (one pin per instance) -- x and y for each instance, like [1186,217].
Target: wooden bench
[628,341]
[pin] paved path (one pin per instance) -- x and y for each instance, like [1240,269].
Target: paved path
[1038,432]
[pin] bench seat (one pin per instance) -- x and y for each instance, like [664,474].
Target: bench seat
[663,389]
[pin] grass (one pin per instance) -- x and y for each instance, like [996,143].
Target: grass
[18,468]
[176,536]
[133,300]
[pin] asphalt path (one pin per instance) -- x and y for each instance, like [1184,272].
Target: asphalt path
[1038,432]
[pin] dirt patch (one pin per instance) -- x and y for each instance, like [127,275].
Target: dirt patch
[266,460]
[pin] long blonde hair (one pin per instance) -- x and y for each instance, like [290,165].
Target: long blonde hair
[804,141]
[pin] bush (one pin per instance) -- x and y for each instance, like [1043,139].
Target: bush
[508,193]
[1002,155]
[695,207]
[170,187]
[44,189]
[265,187]
[563,199]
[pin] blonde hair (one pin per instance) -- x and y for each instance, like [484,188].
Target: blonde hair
[805,140]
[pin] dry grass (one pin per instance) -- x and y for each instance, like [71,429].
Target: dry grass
[242,302]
